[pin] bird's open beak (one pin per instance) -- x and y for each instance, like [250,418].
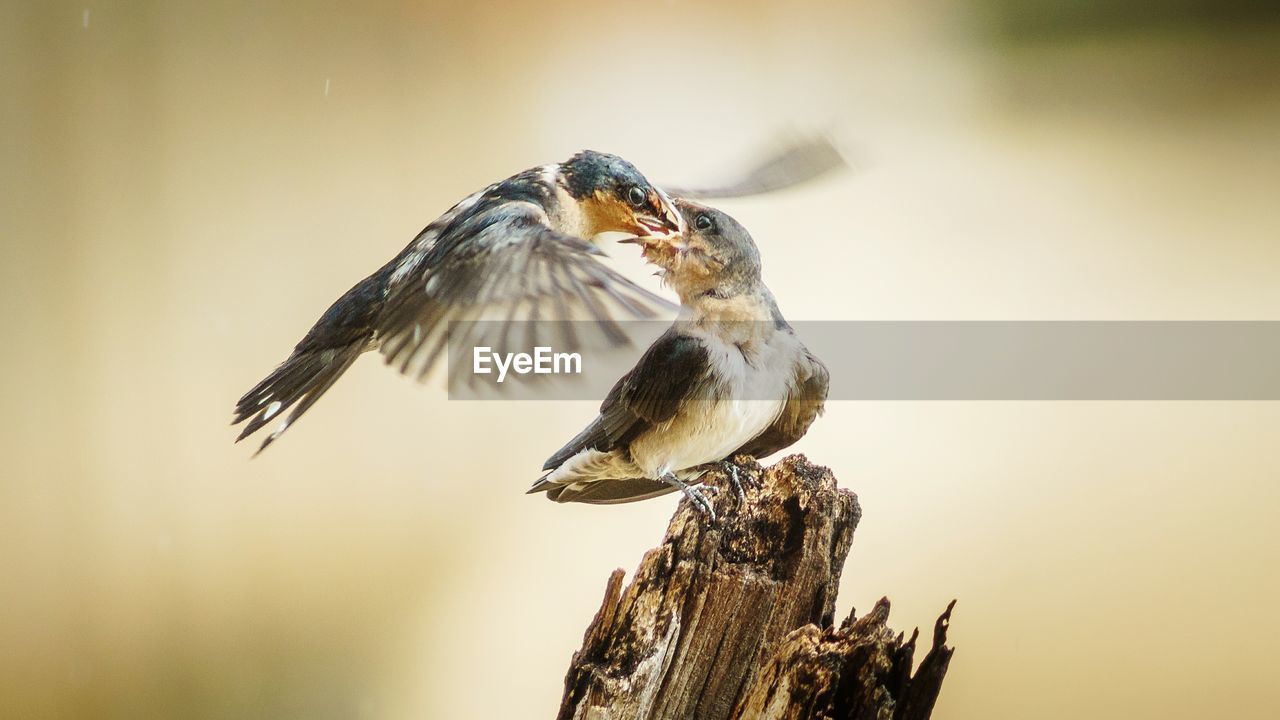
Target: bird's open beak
[659,249]
[667,223]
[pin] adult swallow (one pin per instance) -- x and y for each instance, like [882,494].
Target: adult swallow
[729,376]
[516,250]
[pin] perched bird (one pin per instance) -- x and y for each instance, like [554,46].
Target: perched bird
[516,250]
[729,376]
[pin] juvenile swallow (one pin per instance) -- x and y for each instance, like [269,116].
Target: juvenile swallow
[729,376]
[517,250]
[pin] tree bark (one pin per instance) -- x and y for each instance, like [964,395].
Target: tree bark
[733,619]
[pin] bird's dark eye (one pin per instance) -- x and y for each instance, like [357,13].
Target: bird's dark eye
[636,196]
[702,222]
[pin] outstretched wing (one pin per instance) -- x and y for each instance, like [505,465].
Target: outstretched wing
[797,162]
[494,275]
[500,263]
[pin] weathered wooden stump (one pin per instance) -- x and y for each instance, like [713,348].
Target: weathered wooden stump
[734,619]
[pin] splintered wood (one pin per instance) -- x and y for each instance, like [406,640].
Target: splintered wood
[734,619]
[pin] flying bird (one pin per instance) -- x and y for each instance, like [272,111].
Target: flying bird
[518,250]
[728,377]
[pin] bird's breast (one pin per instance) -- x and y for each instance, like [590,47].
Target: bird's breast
[746,395]
[705,432]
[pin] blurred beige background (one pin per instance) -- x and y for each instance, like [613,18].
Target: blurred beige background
[184,187]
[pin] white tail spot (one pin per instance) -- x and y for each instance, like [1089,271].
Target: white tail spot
[272,409]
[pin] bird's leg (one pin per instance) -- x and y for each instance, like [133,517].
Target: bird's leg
[738,479]
[696,497]
[730,468]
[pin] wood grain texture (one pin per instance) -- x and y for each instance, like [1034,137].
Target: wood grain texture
[861,671]
[725,620]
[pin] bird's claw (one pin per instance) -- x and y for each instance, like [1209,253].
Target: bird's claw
[701,502]
[696,497]
[731,469]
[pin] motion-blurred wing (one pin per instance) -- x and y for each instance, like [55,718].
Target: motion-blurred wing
[495,276]
[795,163]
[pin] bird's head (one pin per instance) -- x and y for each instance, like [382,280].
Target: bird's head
[615,197]
[713,258]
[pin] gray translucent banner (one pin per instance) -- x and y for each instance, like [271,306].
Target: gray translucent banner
[927,360]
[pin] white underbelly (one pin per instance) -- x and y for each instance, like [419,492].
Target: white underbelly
[708,431]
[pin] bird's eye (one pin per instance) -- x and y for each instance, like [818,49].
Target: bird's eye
[636,196]
[702,222]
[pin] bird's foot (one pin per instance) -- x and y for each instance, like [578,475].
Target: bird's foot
[730,468]
[695,495]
